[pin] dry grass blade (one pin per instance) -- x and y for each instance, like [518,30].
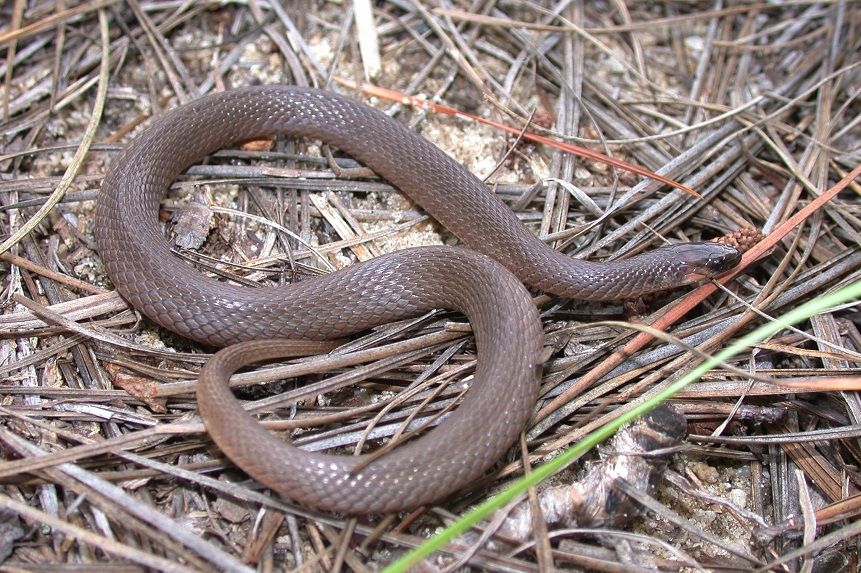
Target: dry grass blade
[81,152]
[754,106]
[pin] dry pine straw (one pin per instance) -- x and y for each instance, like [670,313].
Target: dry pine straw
[752,105]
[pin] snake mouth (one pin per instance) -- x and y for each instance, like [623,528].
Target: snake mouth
[696,277]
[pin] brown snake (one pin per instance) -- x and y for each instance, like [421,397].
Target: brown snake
[507,329]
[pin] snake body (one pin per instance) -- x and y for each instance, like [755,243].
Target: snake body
[487,289]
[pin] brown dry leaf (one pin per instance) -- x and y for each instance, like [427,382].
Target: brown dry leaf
[144,389]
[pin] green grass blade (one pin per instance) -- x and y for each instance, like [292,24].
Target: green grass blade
[846,294]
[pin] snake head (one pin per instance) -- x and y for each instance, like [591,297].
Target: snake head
[699,261]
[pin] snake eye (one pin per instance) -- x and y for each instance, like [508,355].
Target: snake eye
[723,259]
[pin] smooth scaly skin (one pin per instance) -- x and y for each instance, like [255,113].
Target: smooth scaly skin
[506,324]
